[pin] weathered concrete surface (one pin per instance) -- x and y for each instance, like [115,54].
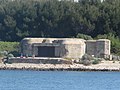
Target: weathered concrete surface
[40,60]
[65,47]
[99,48]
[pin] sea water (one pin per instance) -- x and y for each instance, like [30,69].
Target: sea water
[58,80]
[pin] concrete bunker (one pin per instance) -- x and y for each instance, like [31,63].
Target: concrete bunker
[65,47]
[53,47]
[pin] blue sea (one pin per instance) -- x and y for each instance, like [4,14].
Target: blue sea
[58,80]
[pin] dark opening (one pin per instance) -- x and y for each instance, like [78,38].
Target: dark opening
[46,51]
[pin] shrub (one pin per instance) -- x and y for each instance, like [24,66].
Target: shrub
[86,62]
[86,59]
[95,62]
[3,53]
[9,47]
[10,55]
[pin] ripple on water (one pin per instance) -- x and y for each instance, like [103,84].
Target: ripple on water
[48,80]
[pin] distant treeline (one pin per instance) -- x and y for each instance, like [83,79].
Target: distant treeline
[53,18]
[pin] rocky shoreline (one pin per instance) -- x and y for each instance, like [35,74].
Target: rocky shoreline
[103,66]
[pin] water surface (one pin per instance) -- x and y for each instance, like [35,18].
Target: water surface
[54,80]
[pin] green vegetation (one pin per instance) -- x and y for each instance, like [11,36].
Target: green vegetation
[86,59]
[9,48]
[83,36]
[115,42]
[50,18]
[96,61]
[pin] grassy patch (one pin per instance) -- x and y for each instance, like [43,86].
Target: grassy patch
[10,47]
